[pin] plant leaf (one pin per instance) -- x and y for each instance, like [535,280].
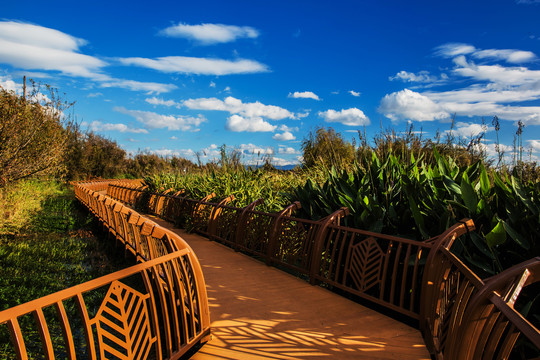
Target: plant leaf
[468,195]
[518,239]
[497,235]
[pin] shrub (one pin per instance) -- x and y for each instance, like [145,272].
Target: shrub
[32,134]
[327,148]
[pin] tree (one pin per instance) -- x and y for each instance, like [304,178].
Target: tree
[327,148]
[32,134]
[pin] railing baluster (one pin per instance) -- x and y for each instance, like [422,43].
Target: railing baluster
[66,329]
[17,339]
[404,278]
[44,334]
[83,312]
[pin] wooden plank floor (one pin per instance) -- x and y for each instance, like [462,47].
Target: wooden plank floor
[259,312]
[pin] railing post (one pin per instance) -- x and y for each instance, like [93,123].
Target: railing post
[216,211]
[172,212]
[158,210]
[243,222]
[199,206]
[320,235]
[276,229]
[432,269]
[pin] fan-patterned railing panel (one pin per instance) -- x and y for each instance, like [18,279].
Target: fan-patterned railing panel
[383,269]
[150,310]
[363,265]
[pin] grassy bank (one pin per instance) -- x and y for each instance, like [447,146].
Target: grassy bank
[47,244]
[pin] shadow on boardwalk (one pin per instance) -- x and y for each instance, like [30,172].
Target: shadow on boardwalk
[259,312]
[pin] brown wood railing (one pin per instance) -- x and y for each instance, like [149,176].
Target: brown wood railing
[422,280]
[158,308]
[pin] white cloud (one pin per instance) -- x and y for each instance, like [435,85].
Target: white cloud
[468,130]
[236,106]
[276,161]
[33,74]
[157,121]
[410,105]
[355,93]
[185,153]
[251,149]
[211,152]
[98,126]
[239,123]
[421,77]
[212,84]
[349,117]
[509,55]
[304,95]
[491,150]
[31,47]
[207,34]
[8,84]
[497,74]
[159,101]
[496,89]
[284,127]
[286,136]
[288,150]
[199,66]
[534,144]
[454,49]
[149,87]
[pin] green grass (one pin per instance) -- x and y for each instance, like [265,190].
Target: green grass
[47,244]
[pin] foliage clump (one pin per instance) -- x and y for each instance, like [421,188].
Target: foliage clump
[326,148]
[32,134]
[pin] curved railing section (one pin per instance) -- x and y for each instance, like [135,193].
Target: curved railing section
[155,309]
[422,280]
[465,317]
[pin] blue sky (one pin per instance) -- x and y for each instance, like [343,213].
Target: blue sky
[184,77]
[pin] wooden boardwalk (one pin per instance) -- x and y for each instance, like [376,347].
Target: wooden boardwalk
[259,312]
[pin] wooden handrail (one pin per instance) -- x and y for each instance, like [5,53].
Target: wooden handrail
[169,272]
[421,279]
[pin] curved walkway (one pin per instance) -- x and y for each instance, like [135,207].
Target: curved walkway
[259,312]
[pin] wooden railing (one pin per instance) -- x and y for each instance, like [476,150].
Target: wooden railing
[464,317]
[157,309]
[422,280]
